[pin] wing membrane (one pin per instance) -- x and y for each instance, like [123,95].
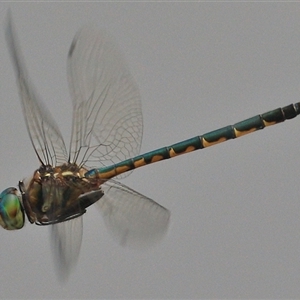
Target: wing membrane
[107,128]
[107,120]
[66,243]
[44,134]
[133,219]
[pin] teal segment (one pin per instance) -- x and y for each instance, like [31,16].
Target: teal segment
[291,111]
[148,157]
[225,132]
[251,123]
[182,147]
[277,115]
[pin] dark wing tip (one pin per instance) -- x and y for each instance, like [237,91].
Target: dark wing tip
[72,47]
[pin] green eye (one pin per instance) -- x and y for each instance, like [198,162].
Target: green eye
[11,210]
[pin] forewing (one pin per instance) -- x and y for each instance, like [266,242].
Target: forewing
[133,219]
[107,121]
[43,131]
[66,243]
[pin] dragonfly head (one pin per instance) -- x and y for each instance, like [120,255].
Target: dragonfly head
[11,209]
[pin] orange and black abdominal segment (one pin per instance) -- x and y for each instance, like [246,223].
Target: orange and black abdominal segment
[199,142]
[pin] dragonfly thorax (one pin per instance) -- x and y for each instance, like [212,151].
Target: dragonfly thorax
[52,194]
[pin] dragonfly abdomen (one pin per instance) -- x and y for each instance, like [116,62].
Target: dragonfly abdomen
[199,142]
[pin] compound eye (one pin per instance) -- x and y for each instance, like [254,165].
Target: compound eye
[11,209]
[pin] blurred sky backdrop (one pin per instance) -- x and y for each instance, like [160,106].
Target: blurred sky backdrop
[235,222]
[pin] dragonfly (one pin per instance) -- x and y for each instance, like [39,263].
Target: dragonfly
[105,143]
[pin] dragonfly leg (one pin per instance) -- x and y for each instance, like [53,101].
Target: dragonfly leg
[74,211]
[31,216]
[90,198]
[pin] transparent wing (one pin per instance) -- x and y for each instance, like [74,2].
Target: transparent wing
[66,241]
[132,218]
[107,121]
[43,131]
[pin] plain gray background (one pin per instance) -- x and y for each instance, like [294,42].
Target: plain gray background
[235,223]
